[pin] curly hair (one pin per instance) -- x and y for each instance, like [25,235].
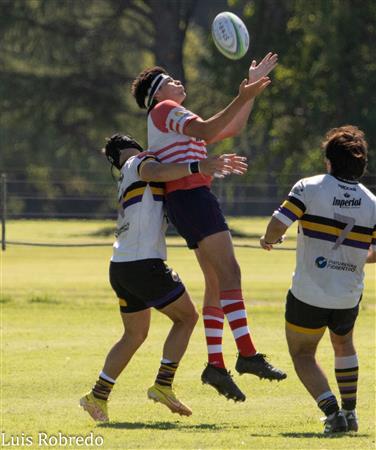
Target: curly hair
[142,83]
[115,144]
[346,149]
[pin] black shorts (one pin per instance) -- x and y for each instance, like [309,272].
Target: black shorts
[195,213]
[144,284]
[310,319]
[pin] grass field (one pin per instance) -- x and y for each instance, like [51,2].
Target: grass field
[59,317]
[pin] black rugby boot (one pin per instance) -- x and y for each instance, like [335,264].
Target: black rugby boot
[257,365]
[222,381]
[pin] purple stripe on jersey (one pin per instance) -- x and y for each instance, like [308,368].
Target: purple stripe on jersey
[357,244]
[132,201]
[319,235]
[287,213]
[158,198]
[333,238]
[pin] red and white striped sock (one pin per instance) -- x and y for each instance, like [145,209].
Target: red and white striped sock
[233,306]
[213,323]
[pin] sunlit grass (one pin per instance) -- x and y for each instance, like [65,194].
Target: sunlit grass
[59,317]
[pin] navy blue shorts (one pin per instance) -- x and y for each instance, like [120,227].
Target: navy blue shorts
[148,283]
[195,213]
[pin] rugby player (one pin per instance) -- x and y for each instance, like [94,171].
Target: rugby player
[177,135]
[336,237]
[138,274]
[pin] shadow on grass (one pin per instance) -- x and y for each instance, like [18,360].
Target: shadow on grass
[101,232]
[161,426]
[44,299]
[324,436]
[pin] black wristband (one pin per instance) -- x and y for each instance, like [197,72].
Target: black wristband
[194,167]
[279,241]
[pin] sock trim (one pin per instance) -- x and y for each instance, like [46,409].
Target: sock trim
[231,294]
[106,377]
[213,311]
[324,396]
[346,362]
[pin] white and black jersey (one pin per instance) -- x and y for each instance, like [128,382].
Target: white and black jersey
[336,228]
[141,223]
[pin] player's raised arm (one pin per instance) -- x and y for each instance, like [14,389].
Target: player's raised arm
[255,72]
[209,129]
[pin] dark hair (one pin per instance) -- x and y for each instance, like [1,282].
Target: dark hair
[115,144]
[346,149]
[141,85]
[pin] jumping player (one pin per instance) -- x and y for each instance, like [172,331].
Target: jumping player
[336,237]
[138,274]
[177,135]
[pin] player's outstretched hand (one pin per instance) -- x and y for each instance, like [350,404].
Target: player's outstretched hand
[269,245]
[248,91]
[222,165]
[234,164]
[263,68]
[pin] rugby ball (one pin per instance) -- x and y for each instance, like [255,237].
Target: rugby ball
[230,35]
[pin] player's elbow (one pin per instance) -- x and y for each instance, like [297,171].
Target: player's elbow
[200,129]
[150,173]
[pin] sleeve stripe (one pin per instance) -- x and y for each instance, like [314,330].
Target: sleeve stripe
[133,186]
[134,193]
[286,212]
[297,203]
[291,207]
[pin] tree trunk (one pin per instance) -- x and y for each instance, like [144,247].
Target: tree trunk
[171,19]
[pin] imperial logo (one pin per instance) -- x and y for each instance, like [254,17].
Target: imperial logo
[348,203]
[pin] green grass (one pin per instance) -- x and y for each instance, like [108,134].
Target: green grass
[59,317]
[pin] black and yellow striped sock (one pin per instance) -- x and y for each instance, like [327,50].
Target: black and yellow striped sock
[102,388]
[166,373]
[347,380]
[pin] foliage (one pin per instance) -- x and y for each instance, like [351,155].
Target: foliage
[326,77]
[66,69]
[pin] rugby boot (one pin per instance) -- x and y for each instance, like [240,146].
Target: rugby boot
[222,381]
[96,407]
[335,423]
[257,365]
[166,396]
[352,420]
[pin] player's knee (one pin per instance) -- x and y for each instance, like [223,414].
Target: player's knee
[188,318]
[135,336]
[191,318]
[301,353]
[194,316]
[343,347]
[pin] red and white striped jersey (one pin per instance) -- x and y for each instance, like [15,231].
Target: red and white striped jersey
[166,140]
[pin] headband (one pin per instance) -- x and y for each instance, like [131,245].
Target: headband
[155,85]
